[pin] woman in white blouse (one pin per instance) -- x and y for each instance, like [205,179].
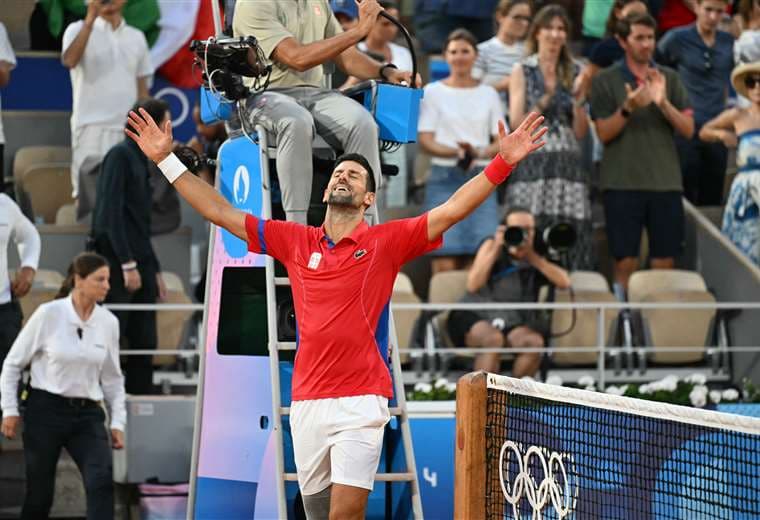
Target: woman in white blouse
[72,345]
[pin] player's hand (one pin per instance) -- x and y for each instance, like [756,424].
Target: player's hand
[526,139]
[117,439]
[368,13]
[23,282]
[9,427]
[132,280]
[156,143]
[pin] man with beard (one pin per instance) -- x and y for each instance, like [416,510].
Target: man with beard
[342,276]
[637,108]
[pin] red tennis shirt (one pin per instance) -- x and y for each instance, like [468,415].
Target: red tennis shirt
[341,294]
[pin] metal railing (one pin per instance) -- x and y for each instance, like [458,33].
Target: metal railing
[432,349]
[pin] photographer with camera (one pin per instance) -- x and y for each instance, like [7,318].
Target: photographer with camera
[298,38]
[507,269]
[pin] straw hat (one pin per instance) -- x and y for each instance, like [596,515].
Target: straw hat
[740,72]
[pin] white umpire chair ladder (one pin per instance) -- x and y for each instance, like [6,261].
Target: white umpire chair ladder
[275,346]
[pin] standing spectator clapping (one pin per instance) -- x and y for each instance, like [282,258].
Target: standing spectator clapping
[110,69]
[458,124]
[551,183]
[72,345]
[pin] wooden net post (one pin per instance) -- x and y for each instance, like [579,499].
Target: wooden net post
[470,458]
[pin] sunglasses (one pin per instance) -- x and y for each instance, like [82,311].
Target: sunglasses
[751,82]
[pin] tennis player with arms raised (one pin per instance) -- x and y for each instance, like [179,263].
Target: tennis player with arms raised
[342,276]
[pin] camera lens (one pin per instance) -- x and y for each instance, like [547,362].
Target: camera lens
[561,236]
[514,236]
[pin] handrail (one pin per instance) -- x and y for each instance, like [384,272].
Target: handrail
[574,305]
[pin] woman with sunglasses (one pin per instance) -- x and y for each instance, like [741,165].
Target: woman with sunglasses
[741,127]
[72,345]
[497,56]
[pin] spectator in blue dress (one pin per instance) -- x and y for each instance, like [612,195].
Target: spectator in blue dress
[703,57]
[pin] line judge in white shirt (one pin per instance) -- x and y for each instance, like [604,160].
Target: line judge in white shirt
[72,345]
[110,69]
[15,226]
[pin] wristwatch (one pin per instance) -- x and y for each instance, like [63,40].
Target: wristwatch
[381,72]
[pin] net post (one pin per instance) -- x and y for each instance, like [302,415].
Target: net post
[470,451]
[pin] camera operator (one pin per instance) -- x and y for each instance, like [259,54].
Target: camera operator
[298,38]
[506,270]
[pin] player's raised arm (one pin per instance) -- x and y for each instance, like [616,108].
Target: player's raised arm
[513,148]
[156,143]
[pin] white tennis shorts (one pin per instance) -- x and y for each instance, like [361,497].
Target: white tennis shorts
[338,440]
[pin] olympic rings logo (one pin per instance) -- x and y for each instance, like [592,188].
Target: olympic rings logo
[526,486]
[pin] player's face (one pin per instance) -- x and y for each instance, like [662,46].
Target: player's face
[347,186]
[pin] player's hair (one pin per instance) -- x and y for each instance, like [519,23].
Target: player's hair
[371,185]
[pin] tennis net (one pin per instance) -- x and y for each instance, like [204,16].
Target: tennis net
[530,450]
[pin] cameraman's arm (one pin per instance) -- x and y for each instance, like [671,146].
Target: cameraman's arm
[554,273]
[481,268]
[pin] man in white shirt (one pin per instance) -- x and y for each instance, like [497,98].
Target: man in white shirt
[14,224]
[7,64]
[110,70]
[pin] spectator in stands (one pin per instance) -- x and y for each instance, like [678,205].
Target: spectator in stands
[703,57]
[121,230]
[110,70]
[607,51]
[346,13]
[741,126]
[747,46]
[504,273]
[636,108]
[460,135]
[594,27]
[298,41]
[552,183]
[7,64]
[497,56]
[379,43]
[208,138]
[673,13]
[13,224]
[434,20]
[72,345]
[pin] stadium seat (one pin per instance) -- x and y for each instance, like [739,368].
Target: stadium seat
[66,215]
[171,324]
[45,287]
[29,156]
[404,319]
[47,187]
[580,330]
[673,327]
[446,287]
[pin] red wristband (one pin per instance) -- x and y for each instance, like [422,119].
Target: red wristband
[498,170]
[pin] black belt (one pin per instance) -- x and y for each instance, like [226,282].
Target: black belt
[73,402]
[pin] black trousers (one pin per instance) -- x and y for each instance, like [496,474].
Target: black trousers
[703,167]
[10,326]
[52,422]
[138,328]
